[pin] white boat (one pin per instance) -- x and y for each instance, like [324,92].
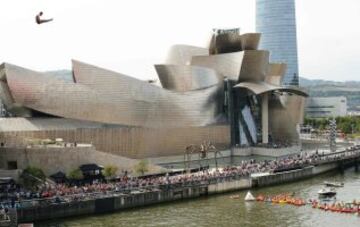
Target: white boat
[333,184]
[249,197]
[327,192]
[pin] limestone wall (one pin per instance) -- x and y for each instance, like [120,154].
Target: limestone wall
[228,186]
[125,201]
[325,167]
[14,174]
[107,204]
[270,152]
[283,177]
[131,142]
[53,159]
[275,152]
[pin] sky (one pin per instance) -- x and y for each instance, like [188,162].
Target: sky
[129,36]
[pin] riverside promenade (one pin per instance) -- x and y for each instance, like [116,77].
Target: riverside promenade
[197,186]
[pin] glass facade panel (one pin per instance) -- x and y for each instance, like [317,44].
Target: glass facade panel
[275,19]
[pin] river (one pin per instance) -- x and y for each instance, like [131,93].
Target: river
[220,210]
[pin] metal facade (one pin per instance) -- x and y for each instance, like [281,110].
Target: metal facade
[233,42]
[202,89]
[182,54]
[186,78]
[261,87]
[286,113]
[276,72]
[104,96]
[248,65]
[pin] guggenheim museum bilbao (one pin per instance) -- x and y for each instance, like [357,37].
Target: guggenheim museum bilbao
[228,93]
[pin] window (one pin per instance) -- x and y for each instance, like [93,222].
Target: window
[12,164]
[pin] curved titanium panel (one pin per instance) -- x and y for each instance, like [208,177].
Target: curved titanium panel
[286,113]
[275,73]
[2,72]
[44,93]
[5,95]
[225,43]
[232,42]
[152,105]
[250,41]
[6,98]
[228,65]
[254,66]
[249,65]
[104,96]
[186,78]
[182,54]
[263,87]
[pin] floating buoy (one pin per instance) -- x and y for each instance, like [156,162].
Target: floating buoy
[249,197]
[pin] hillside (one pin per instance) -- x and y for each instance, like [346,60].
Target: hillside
[323,88]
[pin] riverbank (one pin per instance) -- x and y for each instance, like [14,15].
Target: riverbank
[223,210]
[110,202]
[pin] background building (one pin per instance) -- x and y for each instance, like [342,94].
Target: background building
[317,107]
[276,21]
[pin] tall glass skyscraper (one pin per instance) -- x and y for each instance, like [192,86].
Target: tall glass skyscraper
[275,19]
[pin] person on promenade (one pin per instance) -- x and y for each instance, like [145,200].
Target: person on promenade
[40,21]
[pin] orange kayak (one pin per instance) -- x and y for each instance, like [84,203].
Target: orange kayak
[347,210]
[260,198]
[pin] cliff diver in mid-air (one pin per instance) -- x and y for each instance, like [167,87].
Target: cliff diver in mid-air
[40,21]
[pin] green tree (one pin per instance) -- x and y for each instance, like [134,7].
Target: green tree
[36,172]
[75,174]
[32,177]
[142,167]
[347,124]
[110,171]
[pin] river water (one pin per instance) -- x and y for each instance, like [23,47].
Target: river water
[221,210]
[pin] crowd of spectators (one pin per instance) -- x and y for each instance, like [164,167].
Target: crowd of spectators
[127,184]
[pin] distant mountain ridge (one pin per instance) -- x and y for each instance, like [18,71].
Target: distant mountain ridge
[308,82]
[327,88]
